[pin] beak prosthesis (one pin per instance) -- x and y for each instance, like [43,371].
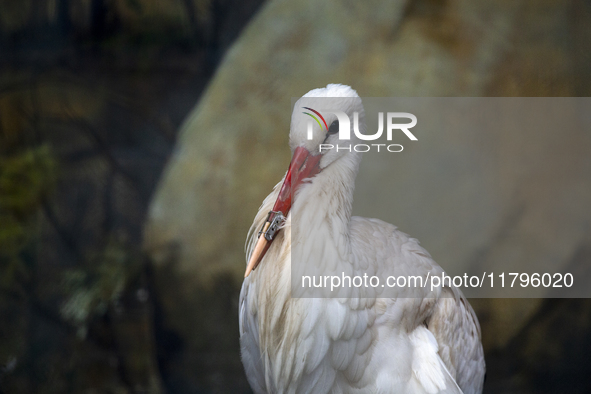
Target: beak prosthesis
[303,165]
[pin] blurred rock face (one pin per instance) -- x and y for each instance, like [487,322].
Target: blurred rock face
[233,147]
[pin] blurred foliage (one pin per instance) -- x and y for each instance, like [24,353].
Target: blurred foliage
[26,179]
[61,313]
[91,95]
[91,291]
[73,286]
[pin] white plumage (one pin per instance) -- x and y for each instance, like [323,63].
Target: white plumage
[359,344]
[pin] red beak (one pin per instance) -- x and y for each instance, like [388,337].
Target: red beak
[303,165]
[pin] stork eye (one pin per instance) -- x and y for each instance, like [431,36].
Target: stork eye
[334,127]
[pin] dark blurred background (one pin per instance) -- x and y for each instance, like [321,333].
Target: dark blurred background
[92,94]
[106,278]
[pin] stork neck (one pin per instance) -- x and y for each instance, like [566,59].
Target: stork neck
[322,209]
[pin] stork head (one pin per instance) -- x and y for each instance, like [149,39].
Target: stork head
[315,125]
[320,109]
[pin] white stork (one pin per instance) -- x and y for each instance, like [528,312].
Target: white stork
[429,343]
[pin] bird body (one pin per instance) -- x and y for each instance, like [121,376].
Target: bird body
[360,342]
